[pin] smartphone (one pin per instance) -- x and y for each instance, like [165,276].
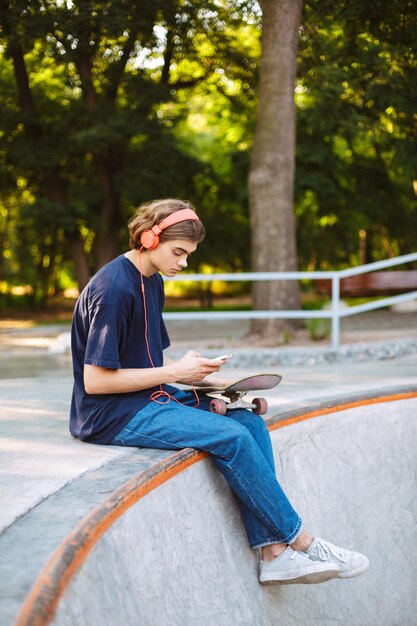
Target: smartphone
[222,357]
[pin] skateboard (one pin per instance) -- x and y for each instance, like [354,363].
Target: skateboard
[231,397]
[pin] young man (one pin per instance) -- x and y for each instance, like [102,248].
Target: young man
[123,394]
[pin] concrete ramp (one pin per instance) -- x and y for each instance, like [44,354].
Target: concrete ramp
[168,547]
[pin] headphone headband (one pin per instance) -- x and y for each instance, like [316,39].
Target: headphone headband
[178,216]
[150,238]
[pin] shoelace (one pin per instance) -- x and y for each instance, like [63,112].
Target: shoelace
[325,549]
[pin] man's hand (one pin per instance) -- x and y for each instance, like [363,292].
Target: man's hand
[217,381]
[193,368]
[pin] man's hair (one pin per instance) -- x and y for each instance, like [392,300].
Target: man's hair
[151,213]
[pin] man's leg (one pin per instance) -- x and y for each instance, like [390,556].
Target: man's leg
[258,534]
[350,563]
[239,458]
[235,453]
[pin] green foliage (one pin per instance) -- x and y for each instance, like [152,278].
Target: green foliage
[356,131]
[97,115]
[318,329]
[126,101]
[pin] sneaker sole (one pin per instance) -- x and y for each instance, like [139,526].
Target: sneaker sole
[305,578]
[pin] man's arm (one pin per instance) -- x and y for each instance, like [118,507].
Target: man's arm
[191,368]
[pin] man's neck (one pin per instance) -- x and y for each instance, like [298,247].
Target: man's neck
[141,262]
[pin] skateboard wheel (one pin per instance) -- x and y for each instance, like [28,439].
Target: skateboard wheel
[218,406]
[261,406]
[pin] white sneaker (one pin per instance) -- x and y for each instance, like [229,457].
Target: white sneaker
[293,567]
[350,563]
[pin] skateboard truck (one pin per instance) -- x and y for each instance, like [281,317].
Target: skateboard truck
[220,406]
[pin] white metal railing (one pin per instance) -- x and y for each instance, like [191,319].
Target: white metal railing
[335,313]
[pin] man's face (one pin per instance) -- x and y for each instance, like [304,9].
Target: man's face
[171,257]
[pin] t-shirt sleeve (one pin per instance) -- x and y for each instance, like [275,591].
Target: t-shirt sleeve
[107,329]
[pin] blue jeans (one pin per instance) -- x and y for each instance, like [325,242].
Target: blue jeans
[241,449]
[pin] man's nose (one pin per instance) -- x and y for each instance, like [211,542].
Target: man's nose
[183,262]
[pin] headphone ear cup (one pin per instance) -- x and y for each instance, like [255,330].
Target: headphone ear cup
[149,240]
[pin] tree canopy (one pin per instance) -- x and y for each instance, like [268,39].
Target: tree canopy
[356,131]
[104,105]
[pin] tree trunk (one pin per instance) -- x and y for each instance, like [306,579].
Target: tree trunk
[271,176]
[105,242]
[79,258]
[106,239]
[57,192]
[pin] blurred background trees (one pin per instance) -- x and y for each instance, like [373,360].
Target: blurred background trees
[356,158]
[104,105]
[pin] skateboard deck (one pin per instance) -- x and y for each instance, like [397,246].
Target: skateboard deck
[231,396]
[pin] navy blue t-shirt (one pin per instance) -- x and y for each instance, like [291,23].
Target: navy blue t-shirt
[108,330]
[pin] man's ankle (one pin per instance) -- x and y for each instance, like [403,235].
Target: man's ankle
[303,542]
[269,553]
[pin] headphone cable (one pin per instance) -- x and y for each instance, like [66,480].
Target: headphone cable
[161,393]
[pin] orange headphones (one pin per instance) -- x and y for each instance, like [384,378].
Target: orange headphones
[149,239]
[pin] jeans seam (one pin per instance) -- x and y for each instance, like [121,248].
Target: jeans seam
[119,439]
[268,522]
[262,515]
[153,439]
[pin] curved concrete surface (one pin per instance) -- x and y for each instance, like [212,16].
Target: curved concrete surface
[168,547]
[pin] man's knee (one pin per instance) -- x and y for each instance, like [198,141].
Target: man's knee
[241,439]
[259,423]
[254,423]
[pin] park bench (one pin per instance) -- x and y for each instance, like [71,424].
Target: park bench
[373,284]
